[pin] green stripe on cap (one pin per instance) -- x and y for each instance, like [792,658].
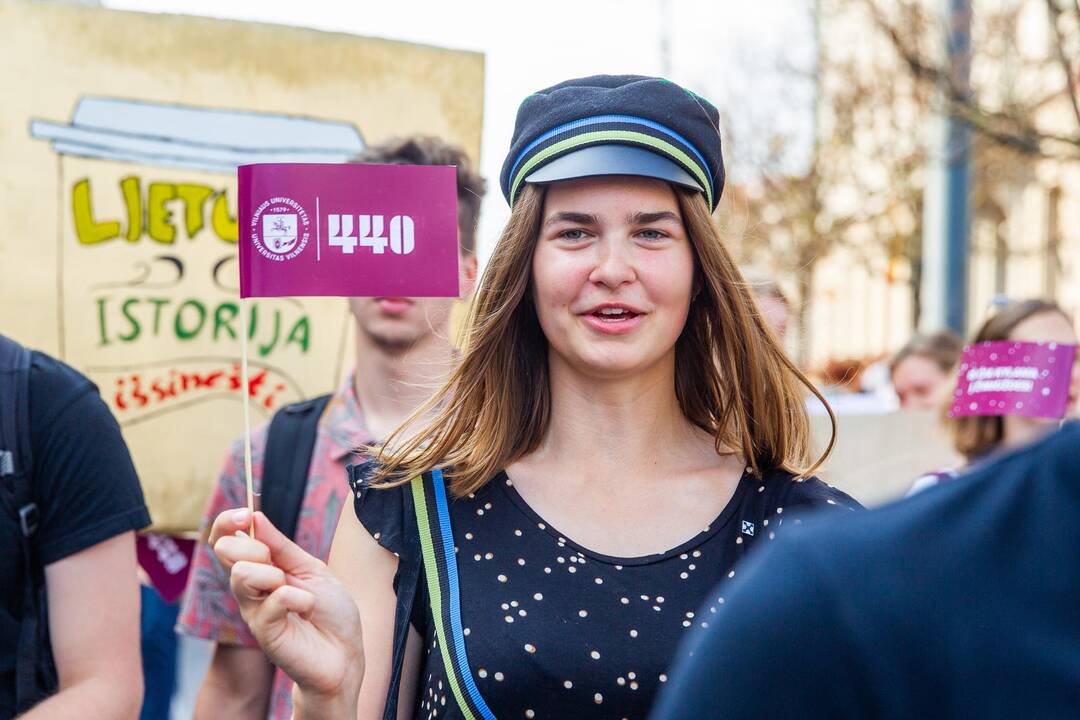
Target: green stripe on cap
[612,135]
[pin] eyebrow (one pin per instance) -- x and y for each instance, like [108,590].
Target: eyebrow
[572,217]
[644,218]
[638,218]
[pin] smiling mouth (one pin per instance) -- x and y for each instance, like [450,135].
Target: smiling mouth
[614,315]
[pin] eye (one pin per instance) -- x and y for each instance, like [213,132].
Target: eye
[576,234]
[651,234]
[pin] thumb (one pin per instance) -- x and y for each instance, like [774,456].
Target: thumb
[284,553]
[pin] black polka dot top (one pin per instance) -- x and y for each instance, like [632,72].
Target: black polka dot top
[554,630]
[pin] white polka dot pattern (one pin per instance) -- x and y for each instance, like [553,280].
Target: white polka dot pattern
[545,640]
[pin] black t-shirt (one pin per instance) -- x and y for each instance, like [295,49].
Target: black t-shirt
[960,602]
[555,630]
[84,485]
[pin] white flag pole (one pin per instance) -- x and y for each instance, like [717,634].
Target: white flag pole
[245,389]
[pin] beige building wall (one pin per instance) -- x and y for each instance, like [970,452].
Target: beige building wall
[858,310]
[862,305]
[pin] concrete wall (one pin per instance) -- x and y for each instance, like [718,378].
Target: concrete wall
[877,457]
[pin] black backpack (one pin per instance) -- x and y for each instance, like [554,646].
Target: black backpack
[290,443]
[35,671]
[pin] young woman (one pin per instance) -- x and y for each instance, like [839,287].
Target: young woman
[920,370]
[978,437]
[621,428]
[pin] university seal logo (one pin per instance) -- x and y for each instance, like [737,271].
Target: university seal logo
[280,229]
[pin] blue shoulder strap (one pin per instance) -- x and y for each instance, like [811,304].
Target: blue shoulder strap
[440,568]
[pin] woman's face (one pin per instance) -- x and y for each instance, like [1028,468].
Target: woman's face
[613,273]
[1052,327]
[919,383]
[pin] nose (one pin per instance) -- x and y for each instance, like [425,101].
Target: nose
[614,265]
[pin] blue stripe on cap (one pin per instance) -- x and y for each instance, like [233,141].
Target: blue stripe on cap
[598,119]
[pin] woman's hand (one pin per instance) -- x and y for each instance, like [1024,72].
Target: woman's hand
[303,618]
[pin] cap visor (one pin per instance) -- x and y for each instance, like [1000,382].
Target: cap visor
[613,160]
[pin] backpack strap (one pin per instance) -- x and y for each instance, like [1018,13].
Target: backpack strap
[290,444]
[440,567]
[406,588]
[35,672]
[16,459]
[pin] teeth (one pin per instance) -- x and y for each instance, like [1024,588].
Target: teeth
[612,311]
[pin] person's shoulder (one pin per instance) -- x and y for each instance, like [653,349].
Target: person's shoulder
[381,508]
[1029,480]
[45,368]
[929,480]
[962,514]
[54,385]
[799,494]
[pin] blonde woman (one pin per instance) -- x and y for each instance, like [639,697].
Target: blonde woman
[621,429]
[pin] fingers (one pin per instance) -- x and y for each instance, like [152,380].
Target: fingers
[233,549]
[267,621]
[228,523]
[254,580]
[284,553]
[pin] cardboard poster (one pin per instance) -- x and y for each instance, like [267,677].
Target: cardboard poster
[1014,378]
[121,135]
[348,230]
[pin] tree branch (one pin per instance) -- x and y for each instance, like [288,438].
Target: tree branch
[1063,59]
[1007,129]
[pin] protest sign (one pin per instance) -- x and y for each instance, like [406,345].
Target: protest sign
[1014,378]
[121,138]
[348,230]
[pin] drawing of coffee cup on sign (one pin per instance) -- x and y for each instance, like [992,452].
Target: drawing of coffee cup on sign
[148,279]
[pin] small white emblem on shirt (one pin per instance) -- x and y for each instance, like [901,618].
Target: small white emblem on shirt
[748,528]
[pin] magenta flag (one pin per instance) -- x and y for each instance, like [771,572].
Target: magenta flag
[1014,378]
[348,230]
[166,561]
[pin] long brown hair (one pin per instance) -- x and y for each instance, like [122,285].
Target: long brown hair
[732,378]
[978,434]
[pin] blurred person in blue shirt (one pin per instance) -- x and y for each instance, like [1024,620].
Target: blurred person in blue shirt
[957,603]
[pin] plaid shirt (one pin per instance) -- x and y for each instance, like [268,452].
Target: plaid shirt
[210,610]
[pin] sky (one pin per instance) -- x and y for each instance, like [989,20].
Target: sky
[733,52]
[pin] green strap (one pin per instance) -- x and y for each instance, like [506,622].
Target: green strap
[431,571]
